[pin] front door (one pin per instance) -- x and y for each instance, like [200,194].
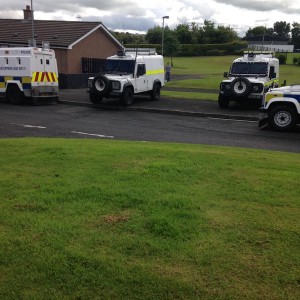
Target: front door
[141,79]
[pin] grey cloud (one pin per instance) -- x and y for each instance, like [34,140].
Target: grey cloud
[263,6]
[122,22]
[75,6]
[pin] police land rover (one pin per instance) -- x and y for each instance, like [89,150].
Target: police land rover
[130,72]
[249,78]
[28,72]
[281,108]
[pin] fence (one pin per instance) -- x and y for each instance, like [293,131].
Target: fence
[92,65]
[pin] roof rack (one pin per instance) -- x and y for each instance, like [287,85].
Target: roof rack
[143,51]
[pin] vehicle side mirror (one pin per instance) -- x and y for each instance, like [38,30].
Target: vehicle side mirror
[273,75]
[225,74]
[272,72]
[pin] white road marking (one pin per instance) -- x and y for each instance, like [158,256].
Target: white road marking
[93,134]
[29,126]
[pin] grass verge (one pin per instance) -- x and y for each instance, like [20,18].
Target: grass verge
[190,95]
[109,219]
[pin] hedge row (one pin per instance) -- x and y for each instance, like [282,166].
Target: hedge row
[201,49]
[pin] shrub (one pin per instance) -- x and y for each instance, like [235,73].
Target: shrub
[282,59]
[295,60]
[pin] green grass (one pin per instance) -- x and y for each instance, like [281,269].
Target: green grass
[190,95]
[86,219]
[206,72]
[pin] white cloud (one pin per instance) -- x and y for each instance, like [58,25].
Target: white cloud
[141,15]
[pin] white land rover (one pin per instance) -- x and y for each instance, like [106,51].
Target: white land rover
[130,72]
[249,78]
[281,108]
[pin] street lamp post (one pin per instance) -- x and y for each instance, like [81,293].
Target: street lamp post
[163,31]
[32,26]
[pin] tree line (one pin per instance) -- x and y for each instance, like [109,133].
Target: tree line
[209,33]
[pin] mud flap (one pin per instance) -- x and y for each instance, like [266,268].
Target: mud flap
[263,123]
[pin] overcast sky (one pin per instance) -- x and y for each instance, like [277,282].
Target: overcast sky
[140,15]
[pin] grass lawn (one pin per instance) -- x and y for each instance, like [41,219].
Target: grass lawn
[86,219]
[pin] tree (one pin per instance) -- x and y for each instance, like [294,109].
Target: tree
[171,45]
[259,31]
[282,29]
[154,35]
[296,35]
[226,34]
[183,34]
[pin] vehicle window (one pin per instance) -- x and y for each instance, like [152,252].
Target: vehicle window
[141,70]
[256,68]
[119,66]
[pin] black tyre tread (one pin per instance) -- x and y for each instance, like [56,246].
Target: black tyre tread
[155,93]
[127,96]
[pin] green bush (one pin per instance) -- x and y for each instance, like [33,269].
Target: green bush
[295,60]
[281,58]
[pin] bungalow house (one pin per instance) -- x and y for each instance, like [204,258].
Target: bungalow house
[74,43]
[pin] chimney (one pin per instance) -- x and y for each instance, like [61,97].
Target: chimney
[27,13]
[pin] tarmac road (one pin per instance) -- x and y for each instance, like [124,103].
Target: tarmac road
[201,108]
[75,121]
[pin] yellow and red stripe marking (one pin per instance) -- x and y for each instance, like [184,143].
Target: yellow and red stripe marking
[44,77]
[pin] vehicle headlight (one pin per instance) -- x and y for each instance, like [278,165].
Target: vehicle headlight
[116,85]
[225,86]
[257,88]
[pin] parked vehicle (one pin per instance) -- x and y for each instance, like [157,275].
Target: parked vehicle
[249,78]
[130,72]
[28,72]
[281,108]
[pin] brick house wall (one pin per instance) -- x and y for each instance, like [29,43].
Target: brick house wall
[95,45]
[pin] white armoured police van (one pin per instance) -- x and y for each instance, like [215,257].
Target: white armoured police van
[28,72]
[249,78]
[130,72]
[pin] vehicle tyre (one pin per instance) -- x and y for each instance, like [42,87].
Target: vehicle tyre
[14,95]
[127,96]
[240,87]
[223,101]
[155,93]
[282,117]
[101,84]
[95,98]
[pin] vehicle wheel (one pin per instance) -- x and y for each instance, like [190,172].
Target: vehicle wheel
[101,84]
[223,102]
[95,98]
[282,117]
[155,94]
[240,87]
[14,95]
[127,97]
